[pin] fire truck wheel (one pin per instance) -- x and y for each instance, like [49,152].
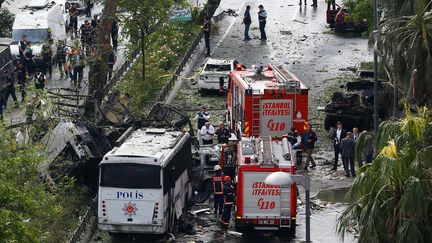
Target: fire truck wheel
[239,227]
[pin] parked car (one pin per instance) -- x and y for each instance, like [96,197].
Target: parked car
[215,74]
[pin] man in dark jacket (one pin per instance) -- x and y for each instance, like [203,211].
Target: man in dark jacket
[347,151]
[206,28]
[20,76]
[262,19]
[309,138]
[8,83]
[337,137]
[222,133]
[247,22]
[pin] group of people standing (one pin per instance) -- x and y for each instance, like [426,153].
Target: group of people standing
[344,143]
[88,34]
[207,131]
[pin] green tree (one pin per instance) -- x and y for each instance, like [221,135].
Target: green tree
[407,43]
[143,16]
[6,20]
[391,199]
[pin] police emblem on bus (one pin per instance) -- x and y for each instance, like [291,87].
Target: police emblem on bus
[130,208]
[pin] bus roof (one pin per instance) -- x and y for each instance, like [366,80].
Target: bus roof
[272,77]
[149,145]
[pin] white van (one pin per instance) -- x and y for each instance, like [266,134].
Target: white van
[42,21]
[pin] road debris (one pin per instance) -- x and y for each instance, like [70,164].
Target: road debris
[286,32]
[199,211]
[295,20]
[235,233]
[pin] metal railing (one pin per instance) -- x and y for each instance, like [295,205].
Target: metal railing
[84,222]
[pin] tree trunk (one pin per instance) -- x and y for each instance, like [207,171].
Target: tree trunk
[143,53]
[99,68]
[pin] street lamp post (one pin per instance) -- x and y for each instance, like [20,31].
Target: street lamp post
[281,178]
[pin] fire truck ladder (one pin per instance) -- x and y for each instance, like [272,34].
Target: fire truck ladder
[267,150]
[282,75]
[256,114]
[285,202]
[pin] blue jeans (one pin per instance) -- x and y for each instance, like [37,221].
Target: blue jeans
[246,31]
[262,25]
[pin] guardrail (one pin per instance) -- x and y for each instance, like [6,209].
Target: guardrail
[84,222]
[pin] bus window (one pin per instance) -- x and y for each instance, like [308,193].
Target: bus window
[130,175]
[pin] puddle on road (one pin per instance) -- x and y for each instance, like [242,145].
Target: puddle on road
[333,195]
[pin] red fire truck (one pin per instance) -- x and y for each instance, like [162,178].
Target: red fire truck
[258,205]
[266,102]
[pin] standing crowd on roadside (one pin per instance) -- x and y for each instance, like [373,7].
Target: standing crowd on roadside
[69,60]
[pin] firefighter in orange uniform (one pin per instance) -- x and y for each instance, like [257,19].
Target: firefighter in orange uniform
[228,202]
[218,189]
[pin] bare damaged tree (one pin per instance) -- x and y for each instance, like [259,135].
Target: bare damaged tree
[99,67]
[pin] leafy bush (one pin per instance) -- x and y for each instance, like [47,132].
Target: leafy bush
[29,210]
[360,9]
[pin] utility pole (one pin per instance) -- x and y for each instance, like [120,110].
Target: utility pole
[375,66]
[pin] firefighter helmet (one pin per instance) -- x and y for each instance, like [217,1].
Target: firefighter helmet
[217,167]
[226,178]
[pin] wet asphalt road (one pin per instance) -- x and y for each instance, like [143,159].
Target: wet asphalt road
[297,37]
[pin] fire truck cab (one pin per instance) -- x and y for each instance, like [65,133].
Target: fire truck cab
[266,102]
[258,205]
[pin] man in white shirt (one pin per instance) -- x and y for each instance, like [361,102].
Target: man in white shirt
[207,132]
[338,135]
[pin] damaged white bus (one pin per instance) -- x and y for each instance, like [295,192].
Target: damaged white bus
[145,183]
